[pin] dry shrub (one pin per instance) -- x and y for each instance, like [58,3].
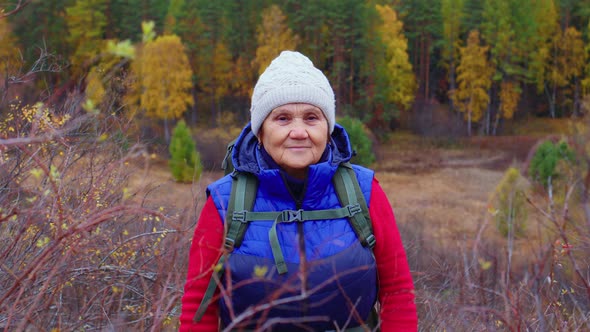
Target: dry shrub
[487,282]
[80,249]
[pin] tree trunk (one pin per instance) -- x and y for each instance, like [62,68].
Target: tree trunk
[576,106]
[469,107]
[193,116]
[496,123]
[586,195]
[550,98]
[166,130]
[421,65]
[337,65]
[452,84]
[486,129]
[553,97]
[427,67]
[469,123]
[351,82]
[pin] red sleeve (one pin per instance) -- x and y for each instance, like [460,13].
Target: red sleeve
[204,254]
[396,289]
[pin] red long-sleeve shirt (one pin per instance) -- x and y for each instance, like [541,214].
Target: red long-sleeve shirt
[396,289]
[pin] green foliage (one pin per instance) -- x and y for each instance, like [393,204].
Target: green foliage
[185,162]
[360,141]
[86,22]
[510,205]
[543,167]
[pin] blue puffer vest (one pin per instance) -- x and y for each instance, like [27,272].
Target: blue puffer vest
[340,274]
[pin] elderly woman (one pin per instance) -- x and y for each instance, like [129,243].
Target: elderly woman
[298,273]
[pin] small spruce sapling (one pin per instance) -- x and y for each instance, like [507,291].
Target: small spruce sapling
[185,162]
[543,168]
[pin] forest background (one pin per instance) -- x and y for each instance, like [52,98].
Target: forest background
[97,237]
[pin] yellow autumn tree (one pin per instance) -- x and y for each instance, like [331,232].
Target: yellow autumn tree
[586,80]
[242,77]
[9,56]
[565,65]
[474,79]
[273,37]
[165,79]
[509,97]
[400,81]
[573,59]
[546,18]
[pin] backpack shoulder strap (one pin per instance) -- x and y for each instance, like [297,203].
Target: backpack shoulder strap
[241,200]
[349,193]
[227,164]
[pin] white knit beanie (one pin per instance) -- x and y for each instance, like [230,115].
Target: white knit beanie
[291,78]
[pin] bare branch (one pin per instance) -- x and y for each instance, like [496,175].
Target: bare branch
[19,6]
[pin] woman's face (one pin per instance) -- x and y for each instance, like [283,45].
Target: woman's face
[295,136]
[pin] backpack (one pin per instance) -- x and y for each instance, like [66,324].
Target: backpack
[239,214]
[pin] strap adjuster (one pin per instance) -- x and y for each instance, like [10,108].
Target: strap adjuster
[354,209]
[239,216]
[370,240]
[292,215]
[229,244]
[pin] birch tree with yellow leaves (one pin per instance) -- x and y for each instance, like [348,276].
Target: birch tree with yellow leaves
[474,80]
[573,60]
[273,36]
[546,18]
[509,98]
[164,80]
[400,83]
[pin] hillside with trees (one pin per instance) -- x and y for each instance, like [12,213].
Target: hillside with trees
[383,58]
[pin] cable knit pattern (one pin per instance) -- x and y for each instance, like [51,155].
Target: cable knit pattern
[291,78]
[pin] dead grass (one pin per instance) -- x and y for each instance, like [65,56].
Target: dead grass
[440,194]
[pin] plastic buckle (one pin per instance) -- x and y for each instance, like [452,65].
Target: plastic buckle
[229,244]
[370,240]
[291,215]
[354,209]
[239,216]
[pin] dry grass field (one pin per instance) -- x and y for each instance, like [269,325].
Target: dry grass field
[101,240]
[440,192]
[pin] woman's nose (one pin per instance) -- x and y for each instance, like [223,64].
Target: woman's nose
[298,132]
